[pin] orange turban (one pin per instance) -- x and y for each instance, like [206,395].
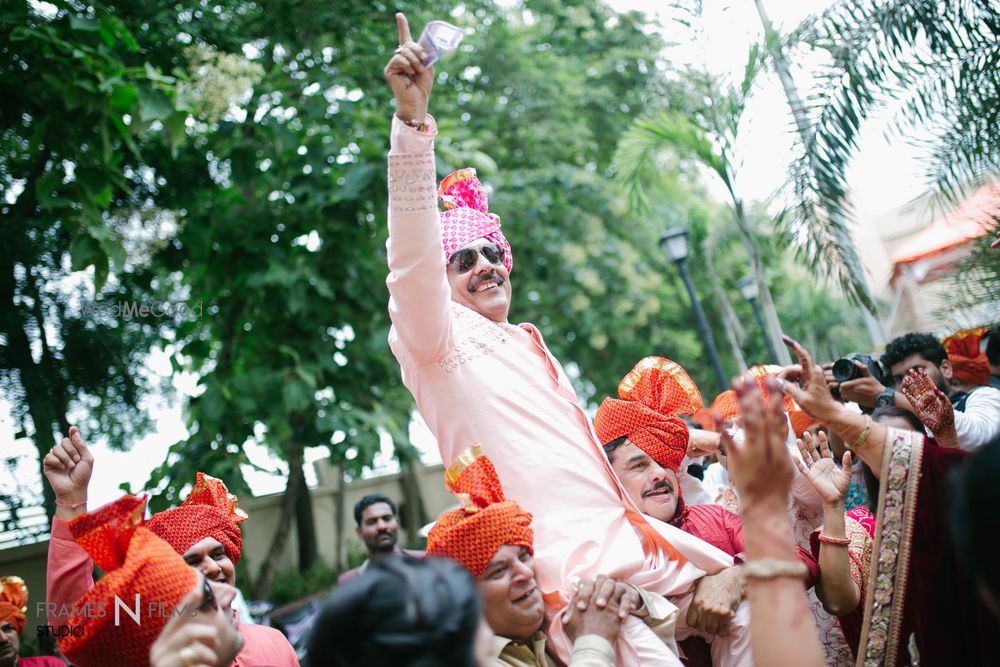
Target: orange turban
[726,405]
[13,602]
[487,521]
[801,420]
[138,563]
[209,511]
[967,361]
[653,394]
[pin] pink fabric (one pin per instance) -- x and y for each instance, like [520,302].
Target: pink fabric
[40,661]
[69,576]
[468,217]
[724,531]
[475,380]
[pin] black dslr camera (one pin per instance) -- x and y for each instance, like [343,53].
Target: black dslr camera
[845,370]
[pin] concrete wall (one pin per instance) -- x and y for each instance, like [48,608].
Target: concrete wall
[28,562]
[265,512]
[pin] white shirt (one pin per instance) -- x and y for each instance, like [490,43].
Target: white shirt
[980,423]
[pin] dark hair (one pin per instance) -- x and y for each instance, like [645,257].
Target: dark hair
[974,520]
[370,500]
[401,612]
[609,448]
[871,482]
[993,347]
[893,411]
[926,345]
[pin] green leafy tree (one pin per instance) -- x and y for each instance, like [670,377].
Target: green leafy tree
[81,100]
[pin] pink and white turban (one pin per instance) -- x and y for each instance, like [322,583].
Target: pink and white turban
[467,216]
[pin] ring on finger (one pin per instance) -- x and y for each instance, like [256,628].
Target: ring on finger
[187,656]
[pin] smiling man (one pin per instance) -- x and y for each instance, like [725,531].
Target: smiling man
[478,378]
[377,527]
[204,530]
[492,538]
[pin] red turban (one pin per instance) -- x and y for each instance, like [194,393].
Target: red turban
[468,217]
[653,394]
[137,563]
[967,361]
[209,511]
[13,602]
[487,521]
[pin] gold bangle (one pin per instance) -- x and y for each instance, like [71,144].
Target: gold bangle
[772,568]
[861,439]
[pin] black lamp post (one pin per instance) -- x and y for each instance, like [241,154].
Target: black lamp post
[674,245]
[748,288]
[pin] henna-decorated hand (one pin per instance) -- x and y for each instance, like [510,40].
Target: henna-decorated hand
[930,405]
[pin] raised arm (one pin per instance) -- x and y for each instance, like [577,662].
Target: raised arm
[865,438]
[419,295]
[69,570]
[835,587]
[782,630]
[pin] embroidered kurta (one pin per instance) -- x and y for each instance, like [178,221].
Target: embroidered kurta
[494,383]
[69,576]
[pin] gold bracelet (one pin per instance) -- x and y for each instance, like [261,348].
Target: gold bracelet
[772,568]
[861,439]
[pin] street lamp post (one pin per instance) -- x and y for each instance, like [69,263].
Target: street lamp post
[748,288]
[674,245]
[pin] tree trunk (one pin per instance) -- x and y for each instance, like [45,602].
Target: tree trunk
[339,521]
[413,503]
[766,302]
[305,526]
[730,323]
[876,330]
[13,322]
[280,539]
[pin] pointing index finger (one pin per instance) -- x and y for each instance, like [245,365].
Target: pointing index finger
[404,28]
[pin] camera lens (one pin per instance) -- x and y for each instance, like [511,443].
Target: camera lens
[844,370]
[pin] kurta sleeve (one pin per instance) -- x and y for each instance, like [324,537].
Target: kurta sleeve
[661,617]
[592,651]
[69,573]
[419,294]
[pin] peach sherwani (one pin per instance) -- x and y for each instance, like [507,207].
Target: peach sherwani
[475,380]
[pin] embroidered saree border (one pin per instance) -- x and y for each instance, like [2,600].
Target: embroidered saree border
[886,594]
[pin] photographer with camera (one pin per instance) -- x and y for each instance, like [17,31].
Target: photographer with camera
[872,385]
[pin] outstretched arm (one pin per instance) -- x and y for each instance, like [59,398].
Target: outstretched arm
[419,295]
[782,629]
[835,587]
[863,437]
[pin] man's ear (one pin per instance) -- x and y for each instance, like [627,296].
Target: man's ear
[946,370]
[357,531]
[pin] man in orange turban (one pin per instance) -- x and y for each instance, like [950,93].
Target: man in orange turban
[645,442]
[204,530]
[146,584]
[13,605]
[492,538]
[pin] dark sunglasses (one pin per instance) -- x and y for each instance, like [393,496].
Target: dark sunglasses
[466,258]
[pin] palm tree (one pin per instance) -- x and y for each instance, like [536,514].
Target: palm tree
[708,136]
[937,64]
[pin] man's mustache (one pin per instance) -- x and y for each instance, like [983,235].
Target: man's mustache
[485,278]
[661,486]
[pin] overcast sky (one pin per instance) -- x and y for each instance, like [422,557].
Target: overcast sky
[883,177]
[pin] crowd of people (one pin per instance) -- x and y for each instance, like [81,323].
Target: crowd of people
[797,519]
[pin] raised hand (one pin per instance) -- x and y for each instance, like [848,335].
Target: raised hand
[931,406]
[813,393]
[830,480]
[760,466]
[410,81]
[68,467]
